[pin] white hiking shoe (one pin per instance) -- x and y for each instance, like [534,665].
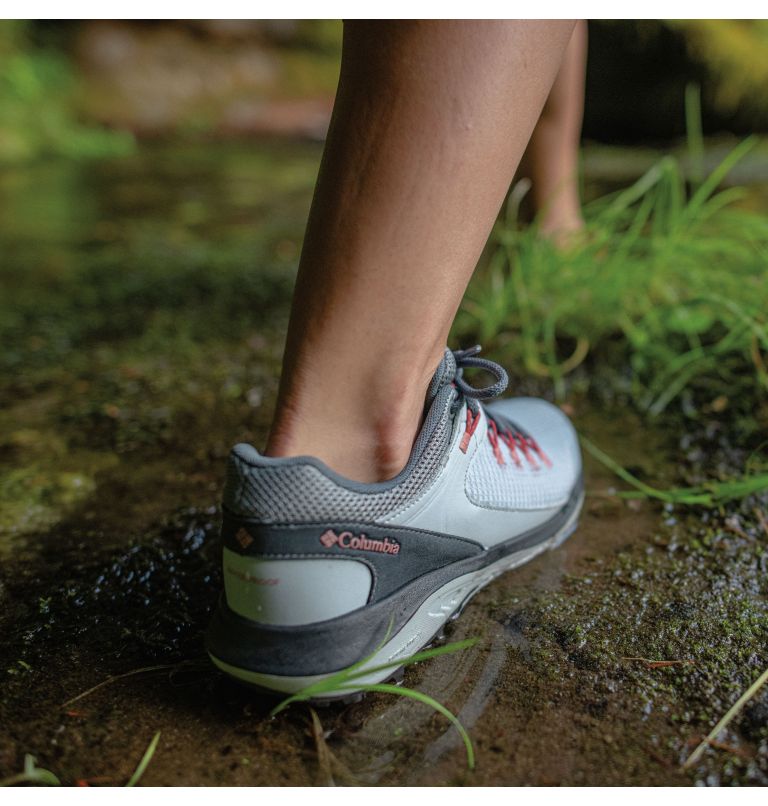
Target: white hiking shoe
[321,572]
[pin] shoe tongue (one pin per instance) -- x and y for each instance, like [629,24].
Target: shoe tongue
[444,374]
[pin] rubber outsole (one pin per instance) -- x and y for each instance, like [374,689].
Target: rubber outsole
[427,621]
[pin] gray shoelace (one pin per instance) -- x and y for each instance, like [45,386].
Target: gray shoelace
[469,358]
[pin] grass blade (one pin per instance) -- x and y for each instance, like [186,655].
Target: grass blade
[113,678]
[694,132]
[624,475]
[626,198]
[145,759]
[711,494]
[387,688]
[31,774]
[709,185]
[345,681]
[425,654]
[355,672]
[727,719]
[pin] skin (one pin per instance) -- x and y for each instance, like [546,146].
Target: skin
[552,158]
[430,122]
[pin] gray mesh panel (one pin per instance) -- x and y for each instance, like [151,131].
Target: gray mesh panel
[290,493]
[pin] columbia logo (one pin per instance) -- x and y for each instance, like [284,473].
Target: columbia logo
[361,542]
[329,538]
[243,538]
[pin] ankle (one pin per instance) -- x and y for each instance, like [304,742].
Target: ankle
[562,219]
[368,453]
[365,433]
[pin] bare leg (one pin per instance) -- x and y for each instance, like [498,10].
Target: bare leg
[418,160]
[552,158]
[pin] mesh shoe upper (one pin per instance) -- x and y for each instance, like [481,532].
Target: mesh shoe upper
[303,489]
[497,475]
[508,478]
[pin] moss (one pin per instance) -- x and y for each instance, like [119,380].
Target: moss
[42,478]
[689,605]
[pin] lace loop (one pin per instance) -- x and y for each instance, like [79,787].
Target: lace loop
[500,429]
[469,358]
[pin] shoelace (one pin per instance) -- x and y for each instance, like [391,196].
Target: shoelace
[470,358]
[500,430]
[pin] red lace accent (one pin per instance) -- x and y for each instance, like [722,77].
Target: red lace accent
[472,422]
[535,446]
[509,441]
[493,438]
[525,447]
[514,440]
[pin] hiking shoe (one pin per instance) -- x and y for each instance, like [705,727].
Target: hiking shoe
[321,572]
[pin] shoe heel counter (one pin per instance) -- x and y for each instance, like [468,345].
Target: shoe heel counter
[286,590]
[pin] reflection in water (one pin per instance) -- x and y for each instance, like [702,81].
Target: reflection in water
[466,677]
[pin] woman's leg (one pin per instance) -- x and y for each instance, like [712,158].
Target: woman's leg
[418,160]
[552,157]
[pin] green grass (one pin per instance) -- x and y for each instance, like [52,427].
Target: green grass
[31,774]
[349,680]
[711,494]
[663,303]
[145,759]
[668,288]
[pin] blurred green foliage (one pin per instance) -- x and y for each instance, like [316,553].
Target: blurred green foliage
[638,70]
[310,60]
[665,299]
[736,55]
[36,113]
[50,104]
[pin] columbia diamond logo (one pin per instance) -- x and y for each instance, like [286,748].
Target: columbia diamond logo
[329,538]
[243,538]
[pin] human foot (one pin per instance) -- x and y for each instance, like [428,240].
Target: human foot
[321,572]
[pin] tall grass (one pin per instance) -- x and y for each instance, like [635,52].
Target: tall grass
[670,281]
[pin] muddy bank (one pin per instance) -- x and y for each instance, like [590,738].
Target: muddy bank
[146,330]
[561,689]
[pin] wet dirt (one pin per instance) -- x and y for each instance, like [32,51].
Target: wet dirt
[145,328]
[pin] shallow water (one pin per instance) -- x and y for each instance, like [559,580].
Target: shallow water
[143,309]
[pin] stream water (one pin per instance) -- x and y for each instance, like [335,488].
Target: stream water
[143,309]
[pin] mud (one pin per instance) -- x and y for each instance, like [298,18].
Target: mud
[145,328]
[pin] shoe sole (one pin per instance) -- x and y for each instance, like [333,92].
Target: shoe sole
[427,621]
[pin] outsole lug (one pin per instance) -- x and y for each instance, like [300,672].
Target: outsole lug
[353,698]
